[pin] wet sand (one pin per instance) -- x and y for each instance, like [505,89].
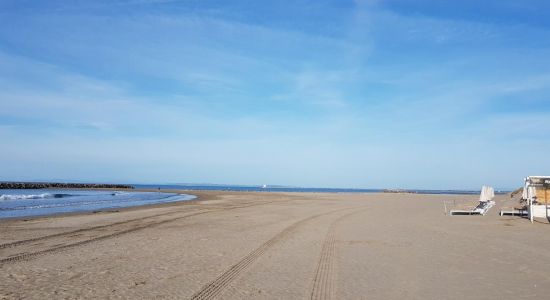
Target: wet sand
[278,246]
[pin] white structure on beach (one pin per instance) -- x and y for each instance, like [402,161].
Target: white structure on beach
[485,203]
[536,192]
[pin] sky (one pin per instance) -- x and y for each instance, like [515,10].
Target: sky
[353,94]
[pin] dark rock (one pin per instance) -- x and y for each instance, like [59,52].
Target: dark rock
[58,185]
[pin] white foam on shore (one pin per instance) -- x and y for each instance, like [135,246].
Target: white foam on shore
[18,203]
[23,197]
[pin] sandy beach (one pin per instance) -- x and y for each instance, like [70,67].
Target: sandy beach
[230,245]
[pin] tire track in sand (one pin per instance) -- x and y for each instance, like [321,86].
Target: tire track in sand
[57,248]
[323,282]
[215,288]
[116,229]
[67,233]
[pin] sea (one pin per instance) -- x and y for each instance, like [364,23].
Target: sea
[267,188]
[37,202]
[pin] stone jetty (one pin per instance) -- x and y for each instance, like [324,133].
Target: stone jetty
[60,185]
[399,191]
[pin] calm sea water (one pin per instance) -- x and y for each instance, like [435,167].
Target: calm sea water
[24,203]
[239,188]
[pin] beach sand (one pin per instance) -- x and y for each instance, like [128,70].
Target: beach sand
[231,245]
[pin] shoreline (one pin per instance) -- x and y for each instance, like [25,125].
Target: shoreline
[201,195]
[105,210]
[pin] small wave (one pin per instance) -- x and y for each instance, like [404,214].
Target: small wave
[32,196]
[120,193]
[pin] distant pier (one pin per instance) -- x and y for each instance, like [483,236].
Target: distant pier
[60,185]
[399,191]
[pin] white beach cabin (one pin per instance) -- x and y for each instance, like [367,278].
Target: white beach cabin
[536,192]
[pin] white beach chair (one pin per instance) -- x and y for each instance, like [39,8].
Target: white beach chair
[485,203]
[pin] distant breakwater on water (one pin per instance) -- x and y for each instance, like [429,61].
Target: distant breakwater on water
[59,185]
[399,191]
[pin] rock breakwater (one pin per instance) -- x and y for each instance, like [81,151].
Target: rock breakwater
[60,185]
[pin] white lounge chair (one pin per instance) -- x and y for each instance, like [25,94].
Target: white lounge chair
[485,203]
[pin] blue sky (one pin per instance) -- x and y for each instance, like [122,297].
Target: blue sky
[371,94]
